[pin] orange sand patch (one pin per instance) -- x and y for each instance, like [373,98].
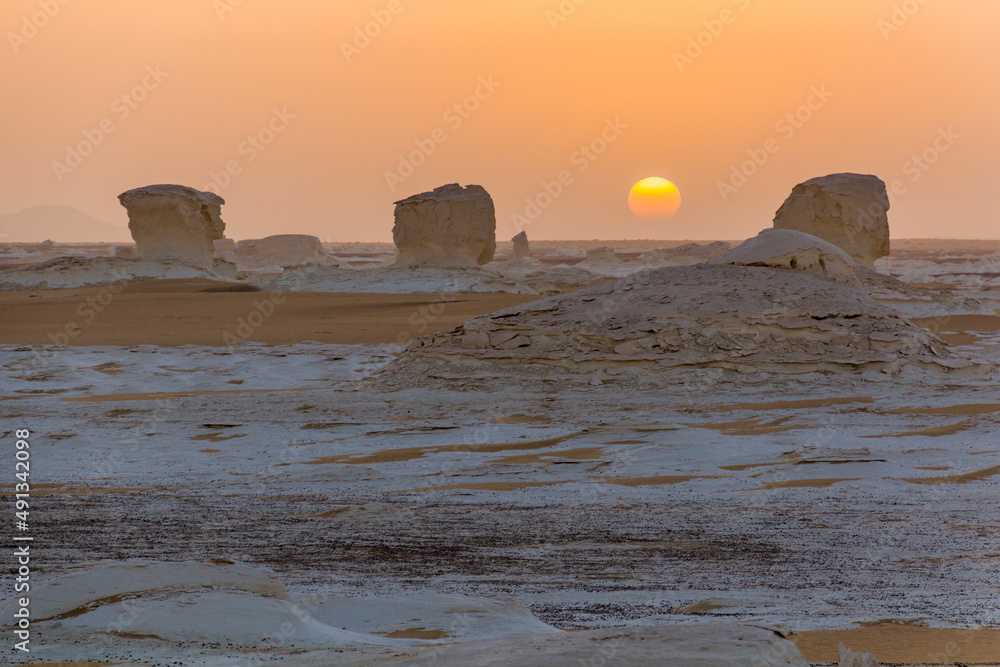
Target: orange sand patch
[748,466]
[582,454]
[932,467]
[110,368]
[895,643]
[411,453]
[483,486]
[660,480]
[520,419]
[966,410]
[416,633]
[959,338]
[750,427]
[793,405]
[933,432]
[960,323]
[956,479]
[210,451]
[800,483]
[216,437]
[184,312]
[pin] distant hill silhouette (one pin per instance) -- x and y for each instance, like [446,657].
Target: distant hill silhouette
[61,224]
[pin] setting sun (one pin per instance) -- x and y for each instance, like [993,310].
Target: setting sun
[654,198]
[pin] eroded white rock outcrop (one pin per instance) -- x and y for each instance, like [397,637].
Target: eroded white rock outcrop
[792,250]
[600,259]
[521,246]
[225,250]
[849,658]
[690,645]
[174,221]
[282,250]
[740,318]
[848,210]
[449,226]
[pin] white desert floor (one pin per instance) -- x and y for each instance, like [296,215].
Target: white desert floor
[269,504]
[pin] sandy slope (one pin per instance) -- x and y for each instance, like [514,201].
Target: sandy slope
[202,312]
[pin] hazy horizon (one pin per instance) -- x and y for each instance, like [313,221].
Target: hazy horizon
[172,92]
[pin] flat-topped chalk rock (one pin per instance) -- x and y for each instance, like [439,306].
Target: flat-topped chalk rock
[449,226]
[282,250]
[174,221]
[792,250]
[521,247]
[848,210]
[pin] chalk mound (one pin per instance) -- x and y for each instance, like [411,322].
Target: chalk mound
[690,645]
[174,221]
[444,617]
[848,210]
[449,226]
[849,658]
[600,258]
[683,255]
[741,318]
[217,601]
[282,250]
[791,250]
[73,272]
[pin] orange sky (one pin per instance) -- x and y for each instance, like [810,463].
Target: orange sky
[343,120]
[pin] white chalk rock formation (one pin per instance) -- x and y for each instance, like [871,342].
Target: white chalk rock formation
[740,318]
[46,247]
[690,645]
[211,602]
[916,302]
[174,221]
[124,251]
[600,257]
[283,250]
[849,658]
[449,226]
[227,270]
[73,272]
[225,250]
[521,247]
[848,210]
[788,249]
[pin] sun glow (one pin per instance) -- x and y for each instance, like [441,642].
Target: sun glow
[654,198]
